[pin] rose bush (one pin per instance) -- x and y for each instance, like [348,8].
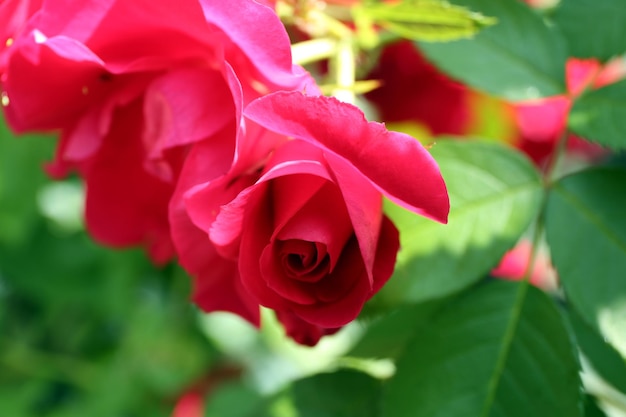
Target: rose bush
[305,233]
[131,85]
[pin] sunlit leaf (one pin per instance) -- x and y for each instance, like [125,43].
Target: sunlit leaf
[427,20]
[494,194]
[603,358]
[586,230]
[592,409]
[593,28]
[518,58]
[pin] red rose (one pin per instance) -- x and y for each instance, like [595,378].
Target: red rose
[307,233]
[414,90]
[131,84]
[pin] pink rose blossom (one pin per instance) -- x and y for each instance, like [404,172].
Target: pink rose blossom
[514,265]
[305,235]
[190,404]
[542,122]
[131,84]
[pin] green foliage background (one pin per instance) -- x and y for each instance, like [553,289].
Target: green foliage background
[84,330]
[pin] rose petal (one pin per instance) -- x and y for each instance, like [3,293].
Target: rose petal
[301,331]
[322,218]
[303,261]
[31,94]
[580,73]
[14,14]
[216,280]
[364,204]
[345,291]
[240,19]
[397,164]
[204,202]
[256,233]
[185,106]
[386,252]
[277,280]
[125,205]
[202,178]
[227,228]
[135,24]
[217,286]
[340,282]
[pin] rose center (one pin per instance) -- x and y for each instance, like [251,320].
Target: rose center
[304,261]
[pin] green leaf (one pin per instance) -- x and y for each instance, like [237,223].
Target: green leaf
[387,336]
[236,399]
[426,20]
[494,194]
[605,360]
[344,393]
[500,350]
[599,115]
[518,58]
[593,28]
[592,409]
[586,231]
[20,178]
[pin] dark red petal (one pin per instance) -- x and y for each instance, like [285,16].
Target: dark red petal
[276,278]
[322,219]
[386,252]
[301,331]
[364,204]
[255,236]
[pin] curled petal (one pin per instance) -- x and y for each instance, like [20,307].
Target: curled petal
[240,20]
[395,163]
